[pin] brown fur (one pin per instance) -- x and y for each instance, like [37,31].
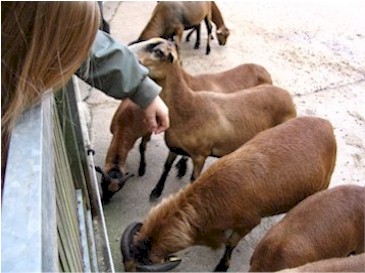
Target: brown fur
[208,123]
[355,263]
[326,225]
[171,18]
[268,175]
[222,31]
[127,124]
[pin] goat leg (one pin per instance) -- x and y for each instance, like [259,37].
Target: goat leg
[179,30]
[197,42]
[156,192]
[209,29]
[112,155]
[198,162]
[232,242]
[142,151]
[187,39]
[224,262]
[194,28]
[181,166]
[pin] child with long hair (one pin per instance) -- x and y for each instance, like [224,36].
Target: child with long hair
[44,43]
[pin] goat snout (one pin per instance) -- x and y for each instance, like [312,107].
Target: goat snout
[136,258]
[112,182]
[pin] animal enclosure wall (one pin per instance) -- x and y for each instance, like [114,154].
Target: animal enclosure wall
[51,210]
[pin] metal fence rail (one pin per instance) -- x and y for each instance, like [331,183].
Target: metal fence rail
[52,219]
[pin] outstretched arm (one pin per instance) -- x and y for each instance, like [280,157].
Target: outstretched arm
[115,70]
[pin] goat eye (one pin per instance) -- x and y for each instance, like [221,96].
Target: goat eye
[159,53]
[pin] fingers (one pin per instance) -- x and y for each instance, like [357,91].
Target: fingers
[163,123]
[157,117]
[151,123]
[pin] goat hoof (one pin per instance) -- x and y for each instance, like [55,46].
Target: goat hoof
[221,267]
[141,171]
[155,194]
[196,46]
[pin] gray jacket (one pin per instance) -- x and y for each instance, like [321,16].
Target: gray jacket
[114,69]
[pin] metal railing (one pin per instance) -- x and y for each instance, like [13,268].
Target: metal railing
[52,218]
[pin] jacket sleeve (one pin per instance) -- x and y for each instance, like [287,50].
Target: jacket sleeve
[115,70]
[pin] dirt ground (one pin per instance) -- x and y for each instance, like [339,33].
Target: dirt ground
[313,49]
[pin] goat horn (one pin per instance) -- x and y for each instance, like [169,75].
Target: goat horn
[172,262]
[126,177]
[127,240]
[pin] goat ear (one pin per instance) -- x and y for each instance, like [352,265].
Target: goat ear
[103,174]
[99,169]
[151,47]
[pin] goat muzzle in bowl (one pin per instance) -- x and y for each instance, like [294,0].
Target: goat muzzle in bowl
[134,263]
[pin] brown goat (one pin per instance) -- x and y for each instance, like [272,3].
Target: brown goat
[268,175]
[325,225]
[170,18]
[353,263]
[206,124]
[222,31]
[127,125]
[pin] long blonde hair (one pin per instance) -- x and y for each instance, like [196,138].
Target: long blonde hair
[42,45]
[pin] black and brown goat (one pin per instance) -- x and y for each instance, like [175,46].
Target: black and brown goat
[206,124]
[268,175]
[328,224]
[222,32]
[170,18]
[127,125]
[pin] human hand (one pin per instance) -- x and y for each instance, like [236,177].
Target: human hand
[157,116]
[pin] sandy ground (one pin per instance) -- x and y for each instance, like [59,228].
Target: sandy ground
[311,48]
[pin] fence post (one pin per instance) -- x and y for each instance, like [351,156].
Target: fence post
[28,221]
